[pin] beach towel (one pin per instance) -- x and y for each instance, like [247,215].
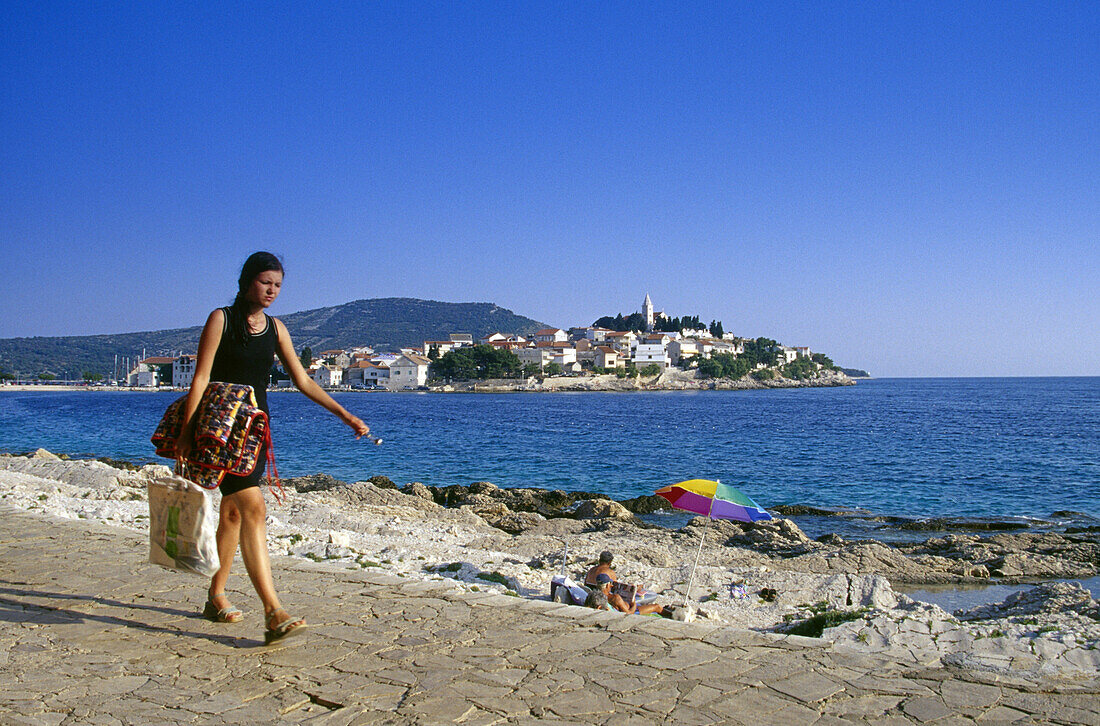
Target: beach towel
[231,432]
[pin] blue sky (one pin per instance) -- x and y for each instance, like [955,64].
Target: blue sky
[909,187]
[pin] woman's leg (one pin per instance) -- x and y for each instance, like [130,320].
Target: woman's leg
[253,540]
[229,534]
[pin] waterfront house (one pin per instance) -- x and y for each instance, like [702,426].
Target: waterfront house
[682,349]
[564,356]
[624,342]
[151,372]
[492,338]
[551,335]
[183,371]
[607,357]
[365,374]
[462,340]
[538,356]
[649,353]
[327,376]
[408,372]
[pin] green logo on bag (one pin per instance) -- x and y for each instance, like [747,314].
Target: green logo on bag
[172,531]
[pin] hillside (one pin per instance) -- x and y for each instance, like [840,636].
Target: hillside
[385,323]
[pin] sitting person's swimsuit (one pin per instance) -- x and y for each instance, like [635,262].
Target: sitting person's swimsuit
[604,579]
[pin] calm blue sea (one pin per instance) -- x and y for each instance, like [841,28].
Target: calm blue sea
[918,448]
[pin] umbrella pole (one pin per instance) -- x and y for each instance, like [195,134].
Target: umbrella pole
[687,595]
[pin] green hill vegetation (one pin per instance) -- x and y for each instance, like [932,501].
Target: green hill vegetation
[384,323]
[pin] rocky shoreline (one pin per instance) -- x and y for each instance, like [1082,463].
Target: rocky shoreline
[768,576]
[672,379]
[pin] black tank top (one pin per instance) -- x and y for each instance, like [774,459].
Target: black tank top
[248,362]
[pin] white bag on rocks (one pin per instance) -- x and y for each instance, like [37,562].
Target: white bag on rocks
[182,526]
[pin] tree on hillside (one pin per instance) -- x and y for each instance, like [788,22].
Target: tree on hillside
[823,360]
[307,357]
[716,328]
[476,362]
[761,351]
[634,321]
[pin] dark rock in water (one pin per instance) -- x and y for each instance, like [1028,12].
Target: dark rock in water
[314,482]
[802,510]
[483,487]
[950,524]
[646,504]
[1047,598]
[831,539]
[1069,514]
[382,482]
[1082,530]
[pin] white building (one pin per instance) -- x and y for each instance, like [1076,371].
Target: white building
[538,356]
[564,357]
[146,373]
[551,335]
[649,353]
[647,312]
[365,374]
[681,349]
[183,371]
[327,376]
[408,372]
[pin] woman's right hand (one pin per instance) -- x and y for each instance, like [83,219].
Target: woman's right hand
[183,444]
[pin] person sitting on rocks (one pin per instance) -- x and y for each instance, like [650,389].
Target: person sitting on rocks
[601,578]
[602,568]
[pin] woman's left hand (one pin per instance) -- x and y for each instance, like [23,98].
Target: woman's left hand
[357,425]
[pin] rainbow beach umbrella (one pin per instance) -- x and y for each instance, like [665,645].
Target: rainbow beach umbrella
[713,500]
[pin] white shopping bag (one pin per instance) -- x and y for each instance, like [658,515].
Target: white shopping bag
[182,526]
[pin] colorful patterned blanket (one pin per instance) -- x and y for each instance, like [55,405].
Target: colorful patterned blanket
[230,433]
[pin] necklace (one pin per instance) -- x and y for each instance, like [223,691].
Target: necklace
[256,327]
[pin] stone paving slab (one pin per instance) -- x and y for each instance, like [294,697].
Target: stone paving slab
[90,633]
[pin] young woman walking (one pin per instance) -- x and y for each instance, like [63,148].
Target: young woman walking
[238,345]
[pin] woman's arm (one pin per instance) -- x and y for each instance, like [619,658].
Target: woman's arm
[208,346]
[308,386]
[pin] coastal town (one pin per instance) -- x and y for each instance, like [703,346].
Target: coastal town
[550,352]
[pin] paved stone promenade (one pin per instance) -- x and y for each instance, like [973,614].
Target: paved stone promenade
[91,634]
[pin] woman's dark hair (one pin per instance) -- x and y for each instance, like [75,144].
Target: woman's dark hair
[256,264]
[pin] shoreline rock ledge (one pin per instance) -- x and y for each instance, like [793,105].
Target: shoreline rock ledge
[766,577]
[672,379]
